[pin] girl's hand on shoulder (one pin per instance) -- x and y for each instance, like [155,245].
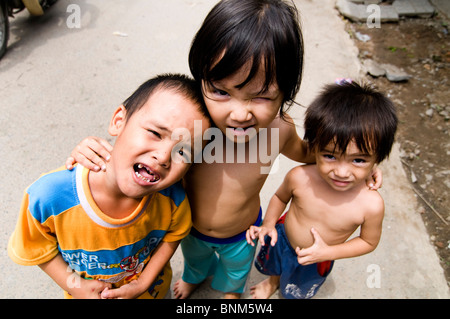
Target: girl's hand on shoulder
[93,153]
[375,180]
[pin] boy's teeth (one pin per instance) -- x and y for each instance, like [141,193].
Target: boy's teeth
[145,178]
[145,174]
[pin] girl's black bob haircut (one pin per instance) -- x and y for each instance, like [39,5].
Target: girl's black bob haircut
[350,112]
[265,33]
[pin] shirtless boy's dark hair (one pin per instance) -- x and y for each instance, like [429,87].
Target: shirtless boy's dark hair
[349,111]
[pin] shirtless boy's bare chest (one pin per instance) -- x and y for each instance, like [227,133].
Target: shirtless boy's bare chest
[332,216]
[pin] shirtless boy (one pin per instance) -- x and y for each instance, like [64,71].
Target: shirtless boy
[351,129]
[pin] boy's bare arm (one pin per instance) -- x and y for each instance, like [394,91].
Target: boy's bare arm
[71,282]
[135,288]
[275,209]
[279,200]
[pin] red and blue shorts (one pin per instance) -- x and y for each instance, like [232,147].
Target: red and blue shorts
[296,281]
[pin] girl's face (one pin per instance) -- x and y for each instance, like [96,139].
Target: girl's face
[241,112]
[344,171]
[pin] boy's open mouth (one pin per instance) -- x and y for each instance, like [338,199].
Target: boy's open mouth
[145,173]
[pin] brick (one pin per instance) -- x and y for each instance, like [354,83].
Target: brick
[358,12]
[388,14]
[351,10]
[412,8]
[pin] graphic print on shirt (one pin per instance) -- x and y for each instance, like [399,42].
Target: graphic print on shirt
[111,262]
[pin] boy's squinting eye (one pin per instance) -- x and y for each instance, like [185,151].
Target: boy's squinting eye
[154,133]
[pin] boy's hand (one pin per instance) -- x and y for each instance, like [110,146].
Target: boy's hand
[89,289]
[375,180]
[254,231]
[93,153]
[129,291]
[315,253]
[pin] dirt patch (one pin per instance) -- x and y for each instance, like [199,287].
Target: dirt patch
[421,48]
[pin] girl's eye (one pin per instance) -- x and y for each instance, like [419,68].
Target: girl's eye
[214,93]
[219,93]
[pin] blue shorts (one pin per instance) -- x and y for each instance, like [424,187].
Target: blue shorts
[229,260]
[296,281]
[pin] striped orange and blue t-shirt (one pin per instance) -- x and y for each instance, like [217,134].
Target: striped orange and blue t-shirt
[59,215]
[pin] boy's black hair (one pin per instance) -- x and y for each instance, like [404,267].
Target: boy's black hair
[177,82]
[236,32]
[350,112]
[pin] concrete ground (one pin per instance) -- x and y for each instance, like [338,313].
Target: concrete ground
[61,83]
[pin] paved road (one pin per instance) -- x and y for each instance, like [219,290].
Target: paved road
[60,83]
